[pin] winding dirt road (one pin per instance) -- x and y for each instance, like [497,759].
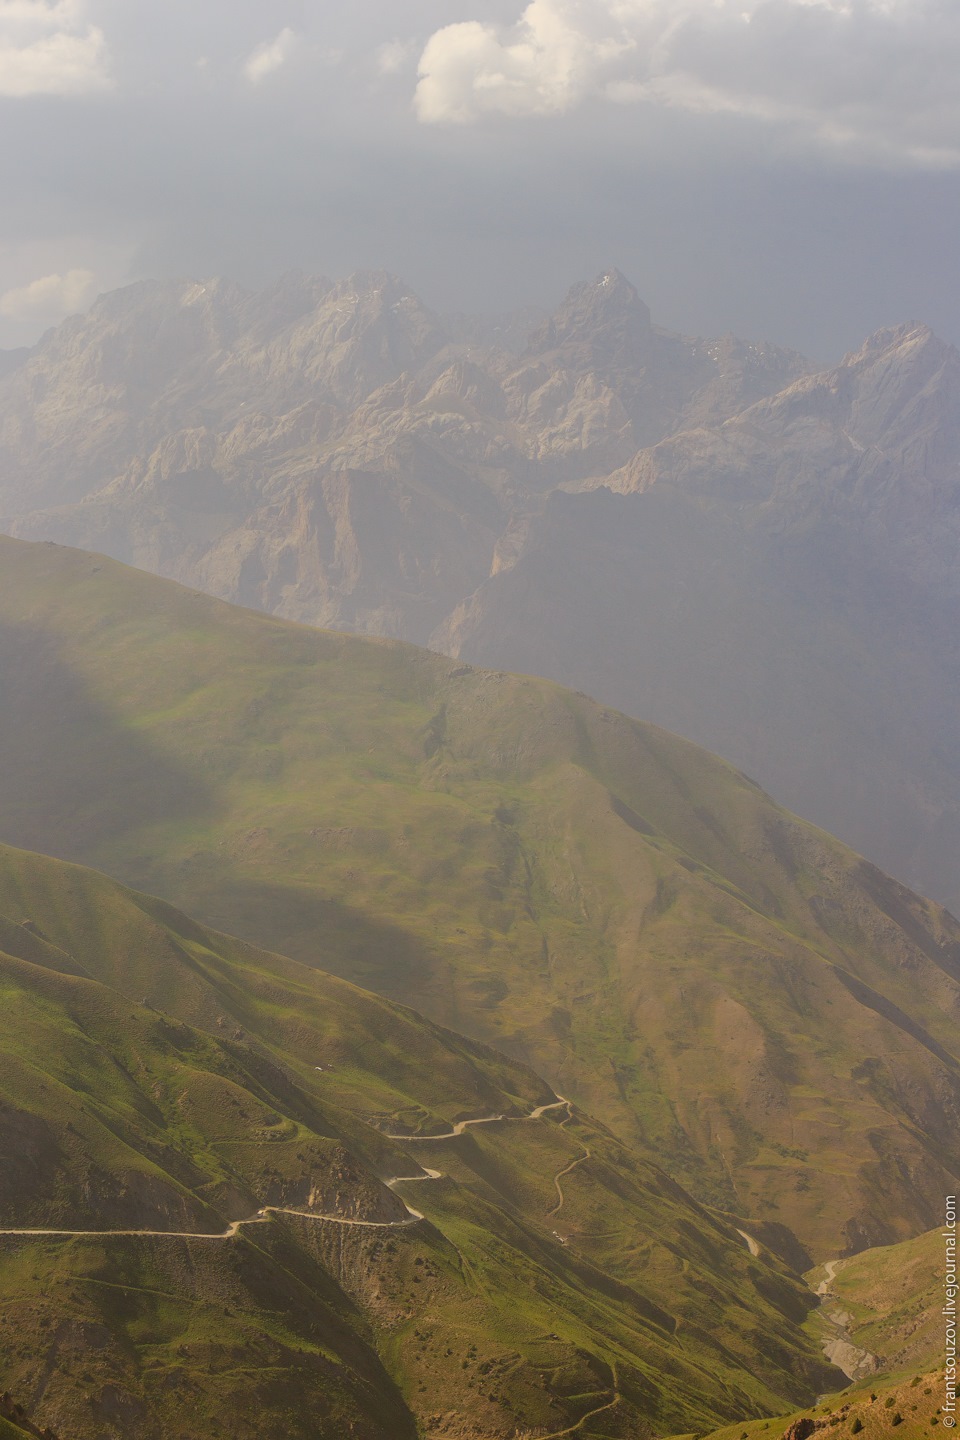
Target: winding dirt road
[396,1180]
[587,1153]
[461,1125]
[413,1217]
[262,1217]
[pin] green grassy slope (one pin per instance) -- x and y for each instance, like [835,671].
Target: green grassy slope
[889,1301]
[902,1409]
[10,1417]
[201,1102]
[724,985]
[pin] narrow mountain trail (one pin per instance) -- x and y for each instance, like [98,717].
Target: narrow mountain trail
[461,1125]
[587,1153]
[262,1217]
[590,1415]
[830,1269]
[458,1129]
[559,1176]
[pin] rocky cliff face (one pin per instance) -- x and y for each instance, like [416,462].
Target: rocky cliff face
[706,533]
[335,453]
[872,446]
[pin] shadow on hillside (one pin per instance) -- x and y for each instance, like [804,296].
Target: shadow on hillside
[71,774]
[303,923]
[292,1274]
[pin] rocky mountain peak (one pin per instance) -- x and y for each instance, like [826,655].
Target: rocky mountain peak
[132,304]
[906,339]
[378,313]
[132,342]
[606,316]
[372,285]
[310,338]
[905,384]
[336,453]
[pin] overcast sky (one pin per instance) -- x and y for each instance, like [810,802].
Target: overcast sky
[788,169]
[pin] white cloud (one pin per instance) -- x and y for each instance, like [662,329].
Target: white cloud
[48,14]
[876,76]
[270,57]
[49,298]
[546,64]
[50,49]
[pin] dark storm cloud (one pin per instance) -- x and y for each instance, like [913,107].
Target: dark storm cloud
[782,168]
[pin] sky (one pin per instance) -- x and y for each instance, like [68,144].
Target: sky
[786,169]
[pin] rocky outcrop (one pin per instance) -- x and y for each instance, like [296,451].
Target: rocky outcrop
[801,1429]
[344,1188]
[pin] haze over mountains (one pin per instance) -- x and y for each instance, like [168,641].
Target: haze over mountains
[713,535]
[243,1198]
[706,534]
[743,1000]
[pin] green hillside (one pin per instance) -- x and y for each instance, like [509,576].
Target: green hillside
[728,988]
[222,1247]
[904,1409]
[10,1415]
[888,1302]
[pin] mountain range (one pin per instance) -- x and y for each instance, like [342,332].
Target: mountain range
[717,536]
[239,1191]
[768,1015]
[676,1105]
